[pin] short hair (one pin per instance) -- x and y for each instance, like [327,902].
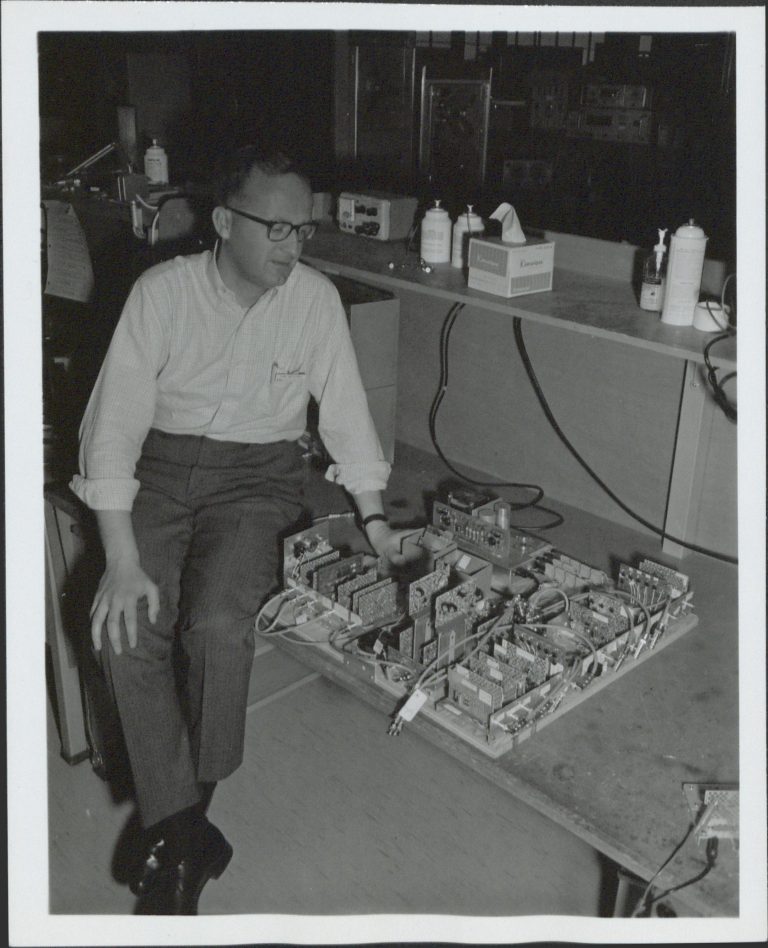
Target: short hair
[236,167]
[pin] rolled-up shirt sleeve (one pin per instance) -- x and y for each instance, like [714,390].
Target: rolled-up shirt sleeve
[345,423]
[122,404]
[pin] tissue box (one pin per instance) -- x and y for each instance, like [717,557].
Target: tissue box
[510,269]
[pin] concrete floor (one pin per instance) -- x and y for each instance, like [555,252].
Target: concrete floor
[328,815]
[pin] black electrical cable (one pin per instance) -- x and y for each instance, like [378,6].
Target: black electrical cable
[718,393]
[445,336]
[711,855]
[561,435]
[711,852]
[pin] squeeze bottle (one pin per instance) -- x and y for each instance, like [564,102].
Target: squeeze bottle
[686,263]
[466,223]
[436,235]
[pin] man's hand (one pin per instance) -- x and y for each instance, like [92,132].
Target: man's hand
[123,584]
[387,542]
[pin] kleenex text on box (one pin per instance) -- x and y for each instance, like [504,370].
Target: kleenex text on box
[511,269]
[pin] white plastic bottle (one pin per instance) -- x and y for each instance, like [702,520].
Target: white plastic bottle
[654,277]
[686,262]
[466,223]
[156,164]
[436,235]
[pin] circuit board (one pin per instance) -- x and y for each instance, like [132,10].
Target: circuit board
[492,639]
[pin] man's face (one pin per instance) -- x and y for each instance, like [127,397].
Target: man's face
[249,259]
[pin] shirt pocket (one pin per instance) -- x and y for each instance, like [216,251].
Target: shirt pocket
[288,392]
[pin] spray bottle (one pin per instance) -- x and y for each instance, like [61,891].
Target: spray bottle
[436,235]
[156,164]
[654,277]
[686,263]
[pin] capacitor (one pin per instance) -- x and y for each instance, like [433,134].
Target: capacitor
[503,511]
[686,263]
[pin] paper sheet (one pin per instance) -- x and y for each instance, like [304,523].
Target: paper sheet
[69,273]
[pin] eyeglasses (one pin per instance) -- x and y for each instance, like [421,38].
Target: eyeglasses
[279,230]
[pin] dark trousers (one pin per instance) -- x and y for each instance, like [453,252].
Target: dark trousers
[206,520]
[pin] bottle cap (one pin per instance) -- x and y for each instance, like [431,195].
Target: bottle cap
[690,230]
[437,211]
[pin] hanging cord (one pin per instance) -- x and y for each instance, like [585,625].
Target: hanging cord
[718,393]
[643,907]
[561,435]
[442,387]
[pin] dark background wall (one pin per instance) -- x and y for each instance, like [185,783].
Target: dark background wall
[199,92]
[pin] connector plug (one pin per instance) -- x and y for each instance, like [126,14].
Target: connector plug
[408,712]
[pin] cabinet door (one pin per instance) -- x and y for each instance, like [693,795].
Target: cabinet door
[374,330]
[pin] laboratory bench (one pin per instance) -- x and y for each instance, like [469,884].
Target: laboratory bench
[611,770]
[630,387]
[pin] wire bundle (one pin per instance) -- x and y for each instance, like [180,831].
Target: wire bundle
[445,337]
[718,392]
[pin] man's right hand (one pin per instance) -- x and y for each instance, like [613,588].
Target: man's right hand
[123,584]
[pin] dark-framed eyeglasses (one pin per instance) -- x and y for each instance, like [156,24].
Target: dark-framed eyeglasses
[279,230]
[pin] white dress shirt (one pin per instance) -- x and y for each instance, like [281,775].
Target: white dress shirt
[188,358]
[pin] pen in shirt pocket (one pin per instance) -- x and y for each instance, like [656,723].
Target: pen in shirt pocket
[279,375]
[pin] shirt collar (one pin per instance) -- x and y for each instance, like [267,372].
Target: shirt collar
[221,288]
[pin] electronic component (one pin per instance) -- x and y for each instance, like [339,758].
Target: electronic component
[512,680]
[460,599]
[495,631]
[678,582]
[610,124]
[400,643]
[325,578]
[567,572]
[304,546]
[714,809]
[480,533]
[474,693]
[652,591]
[467,500]
[345,589]
[421,591]
[377,214]
[616,95]
[376,603]
[308,567]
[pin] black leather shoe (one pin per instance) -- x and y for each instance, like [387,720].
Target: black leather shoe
[149,871]
[177,888]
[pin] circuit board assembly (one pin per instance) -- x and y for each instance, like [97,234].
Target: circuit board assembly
[488,631]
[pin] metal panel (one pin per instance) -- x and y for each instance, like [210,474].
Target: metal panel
[454,135]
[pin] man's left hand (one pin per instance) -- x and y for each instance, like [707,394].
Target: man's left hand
[387,542]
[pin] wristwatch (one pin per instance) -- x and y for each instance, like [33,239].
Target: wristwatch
[371,518]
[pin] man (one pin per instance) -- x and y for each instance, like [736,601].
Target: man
[189,459]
